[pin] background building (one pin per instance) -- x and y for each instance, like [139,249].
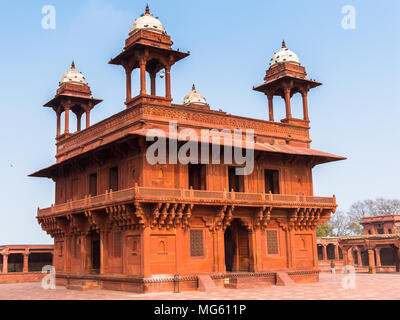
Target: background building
[375,251]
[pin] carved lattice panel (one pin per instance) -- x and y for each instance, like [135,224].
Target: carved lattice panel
[196,243]
[272,242]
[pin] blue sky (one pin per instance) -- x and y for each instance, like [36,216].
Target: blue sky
[355,113]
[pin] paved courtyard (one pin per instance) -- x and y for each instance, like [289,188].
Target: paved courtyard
[378,286]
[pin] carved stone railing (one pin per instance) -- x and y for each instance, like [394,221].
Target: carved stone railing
[154,195]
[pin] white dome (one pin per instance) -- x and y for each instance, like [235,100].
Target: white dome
[193,97]
[284,55]
[73,76]
[147,22]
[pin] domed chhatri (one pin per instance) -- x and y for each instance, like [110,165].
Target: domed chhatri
[284,55]
[194,97]
[73,76]
[147,22]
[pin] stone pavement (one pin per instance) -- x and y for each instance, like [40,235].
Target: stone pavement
[378,286]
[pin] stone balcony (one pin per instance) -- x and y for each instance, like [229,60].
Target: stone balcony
[198,197]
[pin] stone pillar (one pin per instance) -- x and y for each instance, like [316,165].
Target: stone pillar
[67,119]
[271,107]
[25,267]
[142,76]
[359,258]
[252,252]
[5,263]
[324,254]
[67,259]
[371,261]
[305,106]
[58,124]
[345,252]
[146,252]
[87,119]
[128,84]
[168,82]
[102,251]
[83,253]
[397,258]
[153,84]
[378,258]
[79,122]
[287,102]
[336,252]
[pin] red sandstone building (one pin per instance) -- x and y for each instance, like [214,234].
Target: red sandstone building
[23,263]
[122,223]
[375,251]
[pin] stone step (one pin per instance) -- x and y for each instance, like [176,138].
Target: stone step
[84,286]
[206,283]
[283,279]
[250,282]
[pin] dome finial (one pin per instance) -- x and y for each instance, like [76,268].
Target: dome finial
[283,44]
[147,9]
[73,64]
[193,87]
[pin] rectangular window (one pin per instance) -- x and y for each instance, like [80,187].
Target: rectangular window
[113,179]
[272,181]
[236,182]
[93,184]
[272,242]
[196,243]
[197,176]
[117,244]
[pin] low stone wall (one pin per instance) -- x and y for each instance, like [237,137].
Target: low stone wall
[21,277]
[325,268]
[186,282]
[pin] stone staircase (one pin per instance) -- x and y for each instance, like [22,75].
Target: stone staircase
[84,285]
[281,278]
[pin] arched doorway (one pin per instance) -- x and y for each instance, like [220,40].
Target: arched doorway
[320,249]
[1,263]
[330,251]
[95,250]
[15,262]
[37,261]
[387,257]
[237,251]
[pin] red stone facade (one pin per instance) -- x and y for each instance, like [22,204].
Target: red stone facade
[126,224]
[24,263]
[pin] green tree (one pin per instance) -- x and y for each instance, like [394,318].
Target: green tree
[368,208]
[323,231]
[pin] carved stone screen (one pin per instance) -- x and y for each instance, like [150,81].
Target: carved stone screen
[196,243]
[272,242]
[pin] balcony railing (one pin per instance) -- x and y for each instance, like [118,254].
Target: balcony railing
[186,196]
